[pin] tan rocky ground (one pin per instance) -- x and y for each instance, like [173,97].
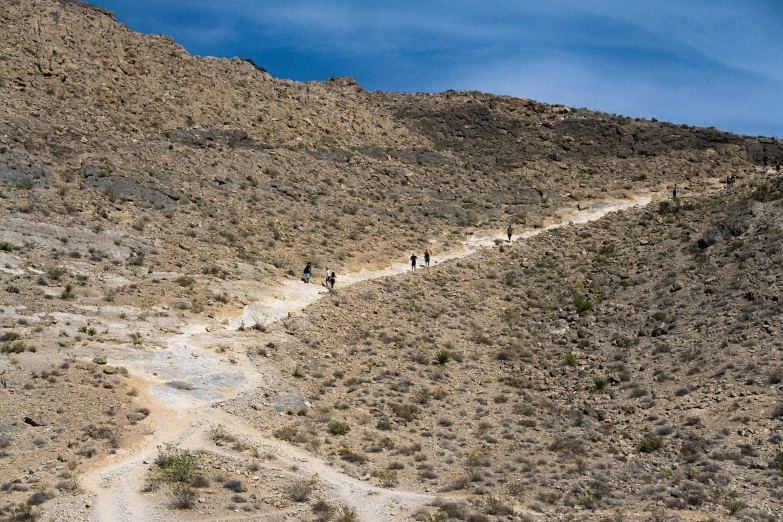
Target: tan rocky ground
[57,420]
[482,376]
[128,132]
[156,210]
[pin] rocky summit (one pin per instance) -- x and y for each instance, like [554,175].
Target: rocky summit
[616,355]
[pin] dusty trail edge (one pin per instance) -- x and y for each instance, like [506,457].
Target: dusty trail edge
[114,486]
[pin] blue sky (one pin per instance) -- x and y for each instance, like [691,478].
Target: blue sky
[702,62]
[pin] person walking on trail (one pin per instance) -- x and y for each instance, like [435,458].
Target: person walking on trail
[413,261]
[308,269]
[326,281]
[510,232]
[674,191]
[332,279]
[427,255]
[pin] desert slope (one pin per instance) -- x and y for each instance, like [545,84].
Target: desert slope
[156,211]
[630,365]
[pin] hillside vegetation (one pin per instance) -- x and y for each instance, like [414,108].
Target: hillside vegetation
[107,126]
[151,201]
[628,365]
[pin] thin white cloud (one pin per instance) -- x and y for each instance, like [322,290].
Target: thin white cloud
[208,37]
[682,60]
[573,82]
[743,35]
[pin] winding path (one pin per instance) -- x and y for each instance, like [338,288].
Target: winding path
[185,376]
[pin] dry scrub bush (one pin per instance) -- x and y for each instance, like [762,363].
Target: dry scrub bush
[301,490]
[176,464]
[183,497]
[338,428]
[235,485]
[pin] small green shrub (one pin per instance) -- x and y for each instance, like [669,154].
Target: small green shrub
[5,246]
[443,356]
[185,281]
[351,456]
[10,336]
[67,292]
[570,360]
[388,478]
[582,303]
[566,444]
[323,510]
[338,428]
[177,465]
[735,506]
[762,193]
[405,411]
[23,513]
[650,443]
[607,249]
[13,347]
[600,383]
[675,207]
[776,463]
[505,355]
[458,484]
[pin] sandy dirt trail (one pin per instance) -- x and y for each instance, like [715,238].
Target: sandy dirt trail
[185,376]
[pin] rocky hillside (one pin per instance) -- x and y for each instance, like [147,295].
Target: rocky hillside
[127,131]
[148,198]
[627,367]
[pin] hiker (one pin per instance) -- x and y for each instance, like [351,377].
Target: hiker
[332,279]
[308,269]
[510,232]
[674,191]
[326,282]
[413,261]
[427,257]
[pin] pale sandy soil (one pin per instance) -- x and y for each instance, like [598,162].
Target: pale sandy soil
[185,416]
